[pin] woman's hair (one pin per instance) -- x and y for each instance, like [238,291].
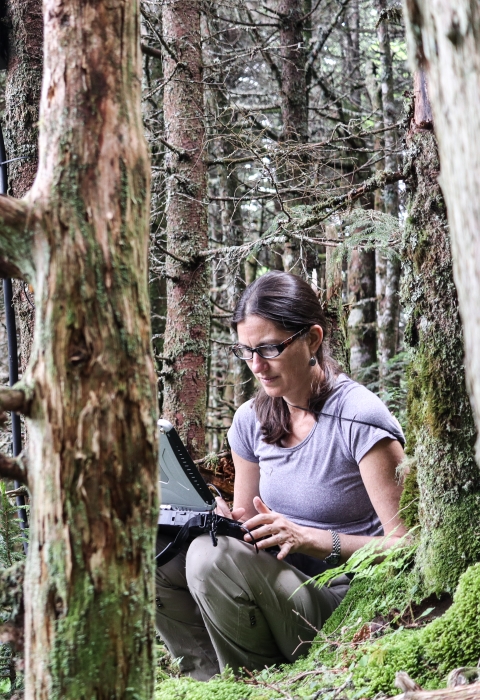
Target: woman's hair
[291,304]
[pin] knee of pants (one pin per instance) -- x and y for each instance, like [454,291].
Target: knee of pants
[202,560]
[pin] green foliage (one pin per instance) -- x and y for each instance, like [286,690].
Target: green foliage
[11,561]
[11,536]
[429,653]
[365,666]
[370,230]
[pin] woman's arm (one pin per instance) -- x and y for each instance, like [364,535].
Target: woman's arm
[378,471]
[247,478]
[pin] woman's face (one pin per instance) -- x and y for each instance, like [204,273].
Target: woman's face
[288,375]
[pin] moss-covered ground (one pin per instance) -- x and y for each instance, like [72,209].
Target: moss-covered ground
[376,631]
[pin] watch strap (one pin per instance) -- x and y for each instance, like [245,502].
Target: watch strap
[333,558]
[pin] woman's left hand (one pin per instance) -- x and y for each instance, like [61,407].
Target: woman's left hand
[275,528]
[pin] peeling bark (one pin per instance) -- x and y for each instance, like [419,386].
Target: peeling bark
[92,424]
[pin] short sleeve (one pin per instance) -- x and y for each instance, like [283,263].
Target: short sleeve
[242,433]
[365,420]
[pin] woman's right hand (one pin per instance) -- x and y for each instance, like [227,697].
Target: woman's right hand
[223,509]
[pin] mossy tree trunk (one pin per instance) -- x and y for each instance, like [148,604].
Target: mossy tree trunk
[80,238]
[188,290]
[444,38]
[441,431]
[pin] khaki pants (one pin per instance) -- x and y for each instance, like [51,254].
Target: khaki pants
[229,605]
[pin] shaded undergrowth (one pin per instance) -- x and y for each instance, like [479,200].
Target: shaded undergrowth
[379,629]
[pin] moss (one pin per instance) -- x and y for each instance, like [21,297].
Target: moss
[427,654]
[440,426]
[216,689]
[409,500]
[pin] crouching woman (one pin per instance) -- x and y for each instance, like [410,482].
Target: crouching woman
[315,457]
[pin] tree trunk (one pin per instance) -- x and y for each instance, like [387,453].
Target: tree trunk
[441,430]
[80,238]
[188,290]
[22,102]
[444,37]
[387,270]
[362,318]
[294,108]
[337,338]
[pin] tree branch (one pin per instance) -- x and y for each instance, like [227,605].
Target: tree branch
[13,468]
[13,400]
[15,239]
[460,692]
[151,51]
[325,209]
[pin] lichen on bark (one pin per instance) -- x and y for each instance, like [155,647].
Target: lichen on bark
[441,431]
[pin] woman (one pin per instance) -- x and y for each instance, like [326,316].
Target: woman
[315,459]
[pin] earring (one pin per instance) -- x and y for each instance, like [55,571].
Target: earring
[312,361]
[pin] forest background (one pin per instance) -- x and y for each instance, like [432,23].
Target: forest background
[292,135]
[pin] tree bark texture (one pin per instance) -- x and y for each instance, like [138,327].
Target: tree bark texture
[337,337]
[80,238]
[387,269]
[363,313]
[22,103]
[444,38]
[294,106]
[188,291]
[441,430]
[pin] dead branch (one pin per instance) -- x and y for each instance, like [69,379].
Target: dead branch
[324,209]
[15,239]
[460,692]
[150,51]
[13,400]
[13,468]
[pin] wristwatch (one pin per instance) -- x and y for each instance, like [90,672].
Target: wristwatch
[333,558]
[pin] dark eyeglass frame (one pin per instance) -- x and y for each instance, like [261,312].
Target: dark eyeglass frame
[280,347]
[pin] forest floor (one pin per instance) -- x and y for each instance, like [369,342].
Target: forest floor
[377,631]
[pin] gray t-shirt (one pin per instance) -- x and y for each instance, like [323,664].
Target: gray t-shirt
[318,483]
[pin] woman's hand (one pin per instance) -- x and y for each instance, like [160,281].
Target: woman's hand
[223,509]
[275,528]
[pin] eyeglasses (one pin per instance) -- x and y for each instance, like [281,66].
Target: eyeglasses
[268,352]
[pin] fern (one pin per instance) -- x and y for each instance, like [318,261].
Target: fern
[11,535]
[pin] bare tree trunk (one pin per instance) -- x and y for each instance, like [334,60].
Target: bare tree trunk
[443,37]
[294,106]
[80,238]
[362,328]
[441,431]
[333,306]
[362,333]
[22,102]
[188,291]
[387,269]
